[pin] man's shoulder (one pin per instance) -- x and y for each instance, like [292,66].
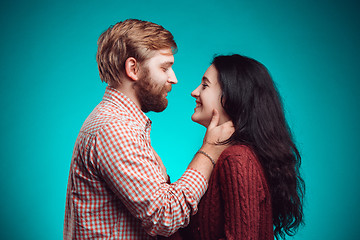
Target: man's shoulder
[106,115]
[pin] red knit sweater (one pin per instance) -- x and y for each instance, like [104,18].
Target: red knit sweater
[237,204]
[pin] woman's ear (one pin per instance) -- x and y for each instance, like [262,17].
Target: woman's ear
[132,68]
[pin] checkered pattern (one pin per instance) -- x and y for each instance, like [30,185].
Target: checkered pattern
[116,189]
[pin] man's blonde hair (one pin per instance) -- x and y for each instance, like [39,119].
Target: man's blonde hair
[130,38]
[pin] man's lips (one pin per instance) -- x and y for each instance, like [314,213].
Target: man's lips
[168,89]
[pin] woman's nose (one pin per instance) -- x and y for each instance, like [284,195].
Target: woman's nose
[195,93]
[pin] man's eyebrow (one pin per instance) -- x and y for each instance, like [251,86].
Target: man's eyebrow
[167,64]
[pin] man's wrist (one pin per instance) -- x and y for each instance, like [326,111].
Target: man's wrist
[212,150]
[208,156]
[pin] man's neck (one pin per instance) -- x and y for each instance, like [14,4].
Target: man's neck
[129,91]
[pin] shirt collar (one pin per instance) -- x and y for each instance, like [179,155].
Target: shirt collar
[124,102]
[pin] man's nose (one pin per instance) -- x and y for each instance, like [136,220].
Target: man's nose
[172,77]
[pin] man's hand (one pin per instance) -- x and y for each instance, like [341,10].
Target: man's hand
[215,133]
[218,133]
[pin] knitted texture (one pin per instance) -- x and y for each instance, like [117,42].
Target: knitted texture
[237,204]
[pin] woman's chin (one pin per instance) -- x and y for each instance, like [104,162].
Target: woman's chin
[200,121]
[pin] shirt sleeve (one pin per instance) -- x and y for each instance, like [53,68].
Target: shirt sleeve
[242,191]
[128,165]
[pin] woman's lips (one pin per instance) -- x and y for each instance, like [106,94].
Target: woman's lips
[198,104]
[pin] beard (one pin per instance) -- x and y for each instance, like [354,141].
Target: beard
[152,97]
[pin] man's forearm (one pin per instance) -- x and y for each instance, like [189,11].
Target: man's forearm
[202,163]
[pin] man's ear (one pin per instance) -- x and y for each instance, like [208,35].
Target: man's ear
[132,68]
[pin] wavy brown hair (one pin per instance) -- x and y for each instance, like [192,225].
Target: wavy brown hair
[250,98]
[130,38]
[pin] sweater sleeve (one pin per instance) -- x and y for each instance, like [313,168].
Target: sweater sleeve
[242,191]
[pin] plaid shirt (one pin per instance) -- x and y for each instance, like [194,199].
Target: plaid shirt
[116,189]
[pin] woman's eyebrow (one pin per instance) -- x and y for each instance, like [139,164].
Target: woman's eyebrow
[205,79]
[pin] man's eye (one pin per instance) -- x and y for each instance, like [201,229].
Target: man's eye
[165,69]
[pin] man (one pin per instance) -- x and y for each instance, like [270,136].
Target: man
[118,187]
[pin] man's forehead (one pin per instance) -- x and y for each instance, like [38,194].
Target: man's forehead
[163,55]
[166,51]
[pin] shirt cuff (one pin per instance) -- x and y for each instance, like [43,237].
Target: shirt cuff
[196,182]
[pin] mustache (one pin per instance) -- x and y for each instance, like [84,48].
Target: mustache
[167,88]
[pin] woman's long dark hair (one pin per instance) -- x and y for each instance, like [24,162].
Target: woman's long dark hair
[251,100]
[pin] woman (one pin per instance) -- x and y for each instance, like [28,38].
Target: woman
[255,191]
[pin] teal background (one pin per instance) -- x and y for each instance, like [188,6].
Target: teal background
[50,83]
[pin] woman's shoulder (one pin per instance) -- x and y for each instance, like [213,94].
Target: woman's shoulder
[238,155]
[241,161]
[238,150]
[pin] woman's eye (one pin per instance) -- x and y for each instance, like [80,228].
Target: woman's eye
[204,85]
[165,69]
